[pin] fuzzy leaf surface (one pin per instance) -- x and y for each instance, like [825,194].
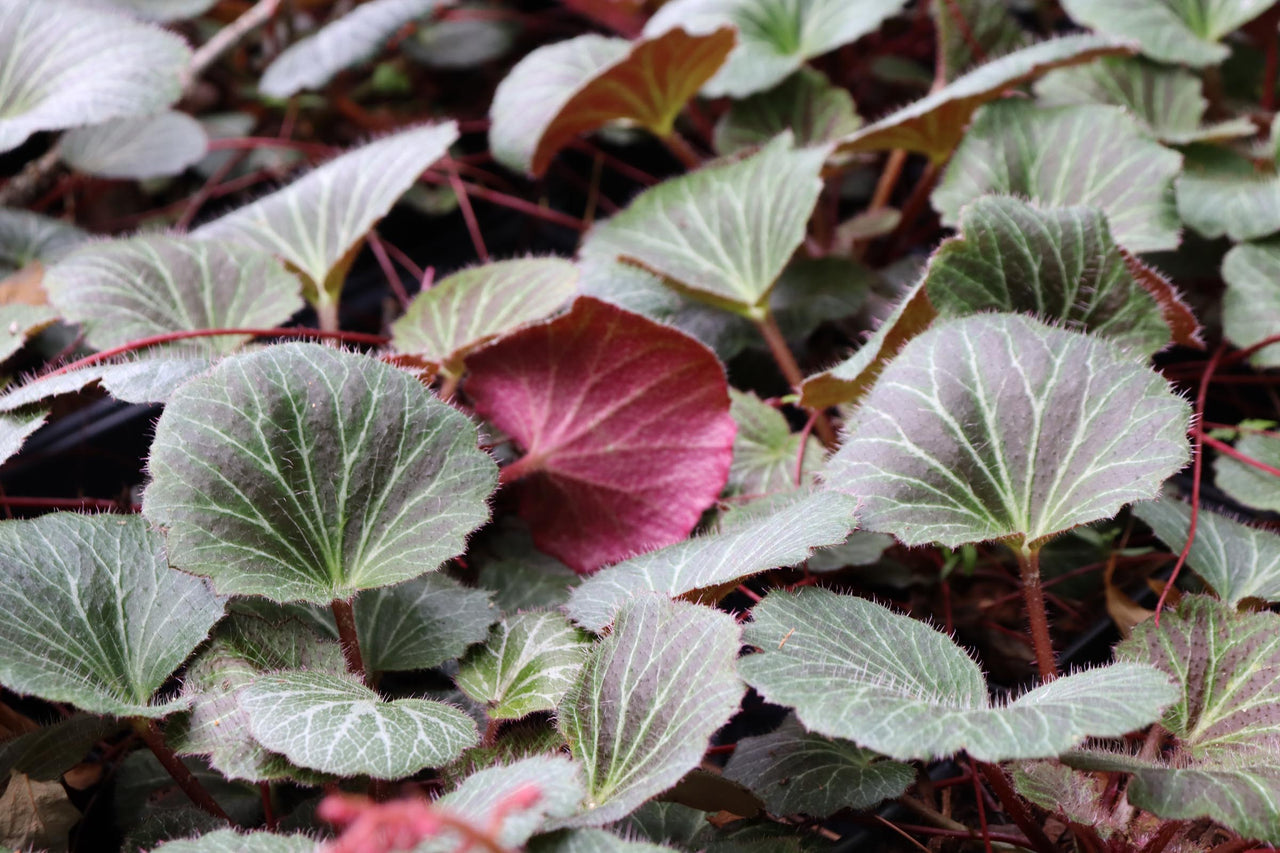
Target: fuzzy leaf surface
[971,29]
[765,449]
[17,427]
[806,103]
[49,751]
[1251,486]
[643,709]
[775,37]
[557,779]
[1178,32]
[528,663]
[1236,560]
[724,233]
[232,841]
[794,772]
[857,671]
[315,222]
[587,396]
[998,426]
[783,537]
[303,473]
[1246,800]
[591,841]
[153,146]
[27,237]
[311,62]
[69,65]
[331,724]
[935,124]
[1251,304]
[569,88]
[105,621]
[1062,156]
[1221,199]
[474,306]
[123,290]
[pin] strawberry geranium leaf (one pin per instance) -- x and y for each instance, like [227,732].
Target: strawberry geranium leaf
[232,841]
[104,620]
[1244,483]
[1017,430]
[528,663]
[766,451]
[806,103]
[856,670]
[302,473]
[1179,32]
[624,424]
[136,148]
[480,797]
[1251,304]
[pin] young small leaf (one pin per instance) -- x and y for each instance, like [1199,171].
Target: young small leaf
[588,394]
[572,87]
[1251,305]
[765,450]
[1179,32]
[1018,429]
[303,473]
[1246,484]
[765,540]
[855,670]
[331,724]
[648,700]
[1059,156]
[527,665]
[806,103]
[153,146]
[105,621]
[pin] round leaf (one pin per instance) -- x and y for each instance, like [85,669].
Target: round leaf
[302,473]
[529,662]
[1179,32]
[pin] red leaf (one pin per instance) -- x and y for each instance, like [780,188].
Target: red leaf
[625,426]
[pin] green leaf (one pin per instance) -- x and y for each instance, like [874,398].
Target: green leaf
[233,841]
[1058,263]
[763,540]
[303,473]
[934,125]
[520,576]
[591,841]
[724,233]
[1016,430]
[563,90]
[855,670]
[805,103]
[813,291]
[19,323]
[17,427]
[161,10]
[648,700]
[331,724]
[798,772]
[1251,304]
[476,305]
[1167,101]
[1179,32]
[460,43]
[1246,800]
[1078,796]
[146,797]
[1246,484]
[27,237]
[529,662]
[765,450]
[70,65]
[311,62]
[1222,195]
[134,380]
[479,799]
[1236,560]
[315,222]
[152,146]
[105,620]
[963,25]
[49,751]
[1060,156]
[775,37]
[123,290]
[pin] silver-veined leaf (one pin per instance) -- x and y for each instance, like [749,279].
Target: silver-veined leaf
[1246,484]
[806,103]
[855,670]
[765,450]
[303,473]
[67,65]
[528,663]
[998,426]
[123,290]
[27,237]
[135,148]
[645,705]
[233,841]
[105,621]
[17,427]
[591,841]
[1251,304]
[1179,32]
[331,724]
[134,380]
[478,799]
[970,30]
[1220,194]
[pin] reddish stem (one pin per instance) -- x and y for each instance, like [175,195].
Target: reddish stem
[379,250]
[468,215]
[1014,807]
[982,809]
[476,191]
[190,785]
[1037,618]
[1227,450]
[349,638]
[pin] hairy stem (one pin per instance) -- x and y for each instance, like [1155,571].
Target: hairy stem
[791,372]
[1015,808]
[1037,618]
[345,617]
[190,785]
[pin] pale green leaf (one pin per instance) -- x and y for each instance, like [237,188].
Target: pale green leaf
[529,662]
[724,233]
[855,670]
[591,841]
[27,237]
[794,772]
[475,305]
[17,427]
[153,146]
[557,779]
[159,10]
[315,222]
[1016,430]
[358,35]
[775,37]
[1236,560]
[765,450]
[1251,304]
[68,65]
[135,380]
[233,841]
[644,707]
[49,751]
[123,290]
[1222,196]
[1059,156]
[1078,796]
[331,724]
[461,43]
[1167,101]
[778,536]
[1246,484]
[1179,32]
[105,620]
[806,103]
[935,124]
[962,25]
[303,473]
[19,323]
